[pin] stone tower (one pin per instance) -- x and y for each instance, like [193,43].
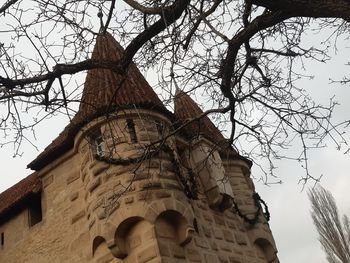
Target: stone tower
[120,185]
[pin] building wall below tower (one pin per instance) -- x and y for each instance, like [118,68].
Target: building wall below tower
[60,236]
[85,219]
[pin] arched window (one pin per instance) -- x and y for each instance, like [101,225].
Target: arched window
[265,249]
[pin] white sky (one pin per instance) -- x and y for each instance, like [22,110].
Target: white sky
[291,222]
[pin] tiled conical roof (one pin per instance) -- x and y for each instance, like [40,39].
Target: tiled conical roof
[186,109]
[104,91]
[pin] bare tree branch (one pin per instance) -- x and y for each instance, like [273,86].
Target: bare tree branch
[7,5]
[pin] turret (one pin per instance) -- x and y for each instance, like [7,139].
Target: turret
[128,168]
[203,151]
[223,173]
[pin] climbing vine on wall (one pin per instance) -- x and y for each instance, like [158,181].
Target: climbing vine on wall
[257,201]
[189,182]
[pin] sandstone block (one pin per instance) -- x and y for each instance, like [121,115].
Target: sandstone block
[178,252]
[77,216]
[147,254]
[193,255]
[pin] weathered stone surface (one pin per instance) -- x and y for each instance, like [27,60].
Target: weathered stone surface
[193,255]
[223,259]
[147,254]
[218,233]
[200,242]
[213,245]
[164,249]
[240,238]
[235,259]
[135,242]
[148,186]
[226,247]
[228,236]
[47,180]
[219,220]
[144,196]
[72,178]
[129,200]
[206,231]
[94,184]
[208,217]
[162,194]
[79,215]
[178,252]
[74,196]
[211,258]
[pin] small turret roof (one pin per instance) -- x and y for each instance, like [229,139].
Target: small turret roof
[104,91]
[186,109]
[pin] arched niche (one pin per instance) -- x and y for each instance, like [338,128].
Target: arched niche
[173,226]
[131,234]
[265,248]
[100,250]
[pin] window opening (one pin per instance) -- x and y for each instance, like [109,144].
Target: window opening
[160,128]
[2,238]
[131,129]
[99,145]
[35,212]
[96,140]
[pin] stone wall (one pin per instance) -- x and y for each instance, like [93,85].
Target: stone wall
[123,205]
[52,239]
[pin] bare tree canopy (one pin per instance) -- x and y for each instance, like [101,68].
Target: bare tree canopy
[334,233]
[242,56]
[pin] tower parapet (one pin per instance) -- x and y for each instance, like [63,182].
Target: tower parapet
[131,181]
[128,168]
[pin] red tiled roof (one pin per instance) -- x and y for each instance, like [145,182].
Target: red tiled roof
[186,109]
[104,91]
[19,192]
[104,87]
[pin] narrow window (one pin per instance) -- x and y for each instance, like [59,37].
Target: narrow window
[131,129]
[2,239]
[35,213]
[160,128]
[97,143]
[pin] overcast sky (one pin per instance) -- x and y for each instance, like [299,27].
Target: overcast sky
[291,223]
[289,207]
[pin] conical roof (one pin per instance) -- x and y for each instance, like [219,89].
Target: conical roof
[104,91]
[186,109]
[105,88]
